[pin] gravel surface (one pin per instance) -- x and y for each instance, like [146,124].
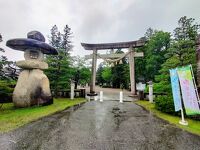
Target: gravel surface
[100,126]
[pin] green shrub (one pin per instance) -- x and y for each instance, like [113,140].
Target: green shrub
[6,90]
[165,104]
[161,87]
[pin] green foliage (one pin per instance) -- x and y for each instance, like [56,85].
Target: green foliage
[107,75]
[6,90]
[165,104]
[60,72]
[8,76]
[180,53]
[99,77]
[116,76]
[187,29]
[120,73]
[81,73]
[154,51]
[62,67]
[120,76]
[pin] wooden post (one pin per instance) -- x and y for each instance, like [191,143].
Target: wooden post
[132,71]
[93,77]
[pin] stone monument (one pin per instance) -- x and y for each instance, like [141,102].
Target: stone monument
[32,87]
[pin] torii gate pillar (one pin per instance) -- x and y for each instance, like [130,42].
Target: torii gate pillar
[93,77]
[132,70]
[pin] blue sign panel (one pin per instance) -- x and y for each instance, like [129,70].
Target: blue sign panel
[175,89]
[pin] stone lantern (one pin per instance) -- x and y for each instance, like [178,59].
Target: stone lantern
[32,87]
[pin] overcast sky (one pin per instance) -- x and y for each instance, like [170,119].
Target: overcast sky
[91,21]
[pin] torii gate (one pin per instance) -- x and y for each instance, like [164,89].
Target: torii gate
[103,46]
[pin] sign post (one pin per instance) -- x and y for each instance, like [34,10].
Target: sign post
[189,94]
[177,95]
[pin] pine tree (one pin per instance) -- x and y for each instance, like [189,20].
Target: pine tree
[120,73]
[59,71]
[81,72]
[1,39]
[181,51]
[66,42]
[154,51]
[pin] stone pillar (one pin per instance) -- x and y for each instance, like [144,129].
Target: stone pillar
[198,61]
[93,77]
[150,91]
[132,71]
[72,90]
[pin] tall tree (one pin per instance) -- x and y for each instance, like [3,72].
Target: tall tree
[81,72]
[66,43]
[120,73]
[99,77]
[181,52]
[107,75]
[8,69]
[154,51]
[8,76]
[59,71]
[1,39]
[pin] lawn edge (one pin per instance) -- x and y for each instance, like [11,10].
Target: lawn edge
[168,121]
[34,120]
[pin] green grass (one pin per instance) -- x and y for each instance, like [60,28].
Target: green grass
[12,118]
[193,125]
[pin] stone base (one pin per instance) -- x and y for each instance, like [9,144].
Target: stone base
[32,89]
[92,94]
[133,95]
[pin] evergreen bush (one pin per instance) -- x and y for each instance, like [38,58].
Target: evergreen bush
[165,104]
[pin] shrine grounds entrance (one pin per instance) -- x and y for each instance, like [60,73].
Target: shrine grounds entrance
[131,54]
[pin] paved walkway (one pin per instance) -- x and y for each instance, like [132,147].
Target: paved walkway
[100,126]
[111,94]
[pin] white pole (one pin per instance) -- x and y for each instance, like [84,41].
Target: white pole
[72,91]
[182,121]
[101,96]
[151,93]
[95,98]
[121,97]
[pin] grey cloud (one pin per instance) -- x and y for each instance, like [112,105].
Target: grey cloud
[92,20]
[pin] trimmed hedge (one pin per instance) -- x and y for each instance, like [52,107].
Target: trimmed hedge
[165,104]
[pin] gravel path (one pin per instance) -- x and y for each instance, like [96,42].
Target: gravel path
[100,126]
